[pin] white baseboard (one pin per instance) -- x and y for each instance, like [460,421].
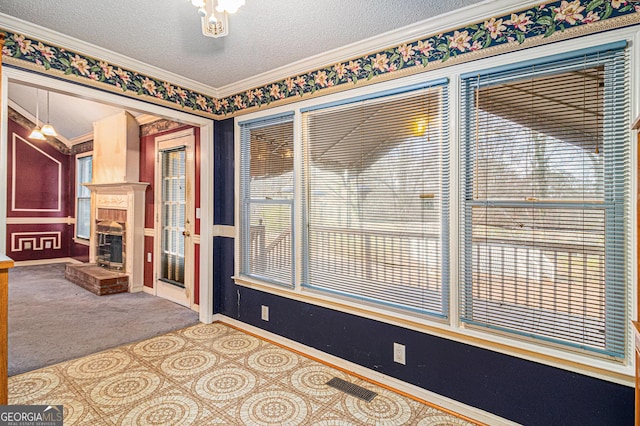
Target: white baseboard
[46,261]
[418,392]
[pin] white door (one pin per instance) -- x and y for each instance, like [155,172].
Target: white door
[174,206]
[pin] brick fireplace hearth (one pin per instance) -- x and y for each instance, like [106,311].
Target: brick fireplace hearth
[96,279]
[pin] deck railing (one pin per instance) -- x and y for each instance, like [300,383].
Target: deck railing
[553,277]
[408,258]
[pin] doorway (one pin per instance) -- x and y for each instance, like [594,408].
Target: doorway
[174,194]
[205,125]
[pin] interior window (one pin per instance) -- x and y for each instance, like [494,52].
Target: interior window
[83,196]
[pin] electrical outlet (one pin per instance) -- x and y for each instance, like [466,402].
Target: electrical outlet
[399,354]
[47,244]
[148,257]
[265,313]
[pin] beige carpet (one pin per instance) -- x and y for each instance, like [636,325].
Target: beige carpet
[211,375]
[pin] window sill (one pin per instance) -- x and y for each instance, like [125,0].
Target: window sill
[81,241]
[617,372]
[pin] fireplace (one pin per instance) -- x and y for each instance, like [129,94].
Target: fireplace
[110,245]
[117,234]
[117,204]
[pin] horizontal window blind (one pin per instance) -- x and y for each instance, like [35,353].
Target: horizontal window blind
[266,187]
[545,174]
[376,173]
[83,194]
[172,260]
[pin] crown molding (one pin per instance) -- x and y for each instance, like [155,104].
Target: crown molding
[438,24]
[29,29]
[435,25]
[82,138]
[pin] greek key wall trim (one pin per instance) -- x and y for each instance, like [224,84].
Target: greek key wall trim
[21,241]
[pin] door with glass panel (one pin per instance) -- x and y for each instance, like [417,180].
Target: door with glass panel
[174,221]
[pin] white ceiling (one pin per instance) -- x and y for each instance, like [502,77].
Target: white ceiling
[264,35]
[72,117]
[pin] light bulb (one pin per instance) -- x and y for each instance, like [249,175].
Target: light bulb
[212,19]
[202,12]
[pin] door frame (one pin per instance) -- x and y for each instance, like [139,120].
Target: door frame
[164,143]
[206,154]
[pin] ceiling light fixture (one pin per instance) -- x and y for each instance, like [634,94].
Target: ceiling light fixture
[48,129]
[36,133]
[214,15]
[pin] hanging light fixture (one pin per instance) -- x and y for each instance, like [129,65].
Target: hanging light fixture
[48,129]
[214,15]
[36,133]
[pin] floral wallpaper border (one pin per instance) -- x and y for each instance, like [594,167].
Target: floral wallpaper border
[539,24]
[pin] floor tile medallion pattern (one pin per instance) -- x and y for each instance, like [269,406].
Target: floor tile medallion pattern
[211,375]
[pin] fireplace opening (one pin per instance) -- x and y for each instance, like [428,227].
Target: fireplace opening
[110,247]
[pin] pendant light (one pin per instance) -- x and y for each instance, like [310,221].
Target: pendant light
[36,133]
[48,129]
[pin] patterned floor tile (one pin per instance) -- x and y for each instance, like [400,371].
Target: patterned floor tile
[211,374]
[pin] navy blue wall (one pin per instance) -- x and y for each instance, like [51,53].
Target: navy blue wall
[223,173]
[516,389]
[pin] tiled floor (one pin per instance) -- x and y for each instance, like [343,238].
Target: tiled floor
[211,374]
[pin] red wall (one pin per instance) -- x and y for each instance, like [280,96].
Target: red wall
[40,198]
[45,188]
[147,174]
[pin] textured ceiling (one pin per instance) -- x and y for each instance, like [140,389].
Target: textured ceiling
[264,34]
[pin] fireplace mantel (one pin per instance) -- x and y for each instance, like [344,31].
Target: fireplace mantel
[128,197]
[117,188]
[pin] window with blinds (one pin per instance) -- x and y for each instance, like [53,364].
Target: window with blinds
[83,196]
[266,187]
[376,175]
[544,199]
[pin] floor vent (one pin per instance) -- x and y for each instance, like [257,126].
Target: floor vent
[351,389]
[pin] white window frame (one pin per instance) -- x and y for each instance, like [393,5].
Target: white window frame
[618,372]
[76,238]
